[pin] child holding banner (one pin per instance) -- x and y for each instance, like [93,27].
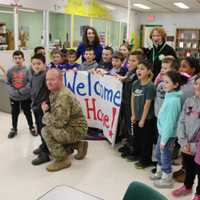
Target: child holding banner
[143,94]
[72,57]
[117,61]
[90,62]
[57,60]
[106,63]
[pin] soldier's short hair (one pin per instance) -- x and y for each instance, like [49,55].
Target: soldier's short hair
[60,73]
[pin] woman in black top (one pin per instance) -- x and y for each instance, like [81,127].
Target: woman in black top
[160,49]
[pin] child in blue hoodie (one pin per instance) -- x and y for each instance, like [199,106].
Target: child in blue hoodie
[167,124]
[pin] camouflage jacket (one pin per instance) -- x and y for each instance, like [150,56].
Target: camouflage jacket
[65,110]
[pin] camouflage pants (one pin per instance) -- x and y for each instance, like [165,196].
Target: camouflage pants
[57,139]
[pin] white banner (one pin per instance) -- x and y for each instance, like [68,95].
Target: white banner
[100,97]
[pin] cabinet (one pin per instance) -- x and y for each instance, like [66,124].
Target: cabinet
[187,42]
[3,37]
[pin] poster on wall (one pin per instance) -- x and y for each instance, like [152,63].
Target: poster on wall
[100,98]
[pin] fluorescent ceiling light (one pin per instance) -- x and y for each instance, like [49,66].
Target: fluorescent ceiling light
[6,12]
[110,7]
[181,5]
[141,6]
[26,10]
[4,2]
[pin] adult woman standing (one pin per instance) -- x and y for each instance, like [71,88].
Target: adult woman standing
[160,49]
[90,39]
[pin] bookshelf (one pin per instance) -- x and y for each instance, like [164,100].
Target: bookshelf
[3,37]
[188,42]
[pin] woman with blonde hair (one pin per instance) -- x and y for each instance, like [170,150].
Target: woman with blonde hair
[160,49]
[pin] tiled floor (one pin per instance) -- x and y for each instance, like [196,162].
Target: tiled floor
[103,173]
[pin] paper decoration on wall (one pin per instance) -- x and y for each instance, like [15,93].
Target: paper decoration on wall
[181,44]
[133,40]
[24,35]
[87,8]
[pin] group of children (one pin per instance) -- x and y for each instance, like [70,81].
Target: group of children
[165,112]
[159,112]
[27,91]
[110,64]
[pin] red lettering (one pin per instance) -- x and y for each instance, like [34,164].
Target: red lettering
[114,110]
[106,121]
[91,109]
[99,115]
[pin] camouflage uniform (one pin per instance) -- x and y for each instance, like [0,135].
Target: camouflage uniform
[65,123]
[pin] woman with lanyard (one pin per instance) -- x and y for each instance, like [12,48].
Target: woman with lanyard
[160,49]
[90,39]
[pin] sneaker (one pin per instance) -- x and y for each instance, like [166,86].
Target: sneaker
[153,171]
[196,197]
[33,131]
[179,175]
[37,151]
[125,154]
[42,158]
[158,174]
[166,181]
[182,191]
[123,148]
[12,133]
[139,165]
[132,158]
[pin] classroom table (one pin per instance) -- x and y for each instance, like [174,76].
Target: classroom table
[67,193]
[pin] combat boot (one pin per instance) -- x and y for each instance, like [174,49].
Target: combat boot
[59,165]
[81,147]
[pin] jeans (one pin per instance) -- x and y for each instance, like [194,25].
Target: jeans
[164,157]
